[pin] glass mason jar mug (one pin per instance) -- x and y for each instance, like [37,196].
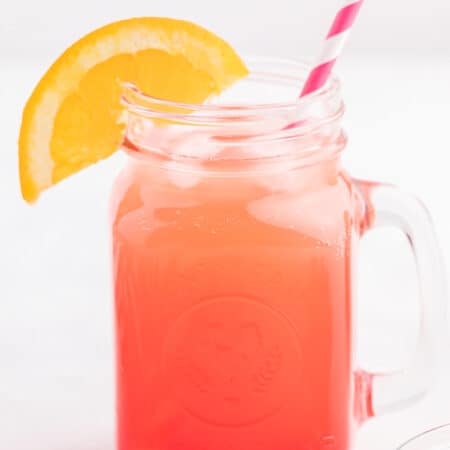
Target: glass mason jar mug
[234,234]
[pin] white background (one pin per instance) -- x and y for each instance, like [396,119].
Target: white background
[56,376]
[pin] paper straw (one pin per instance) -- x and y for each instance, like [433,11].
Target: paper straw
[333,46]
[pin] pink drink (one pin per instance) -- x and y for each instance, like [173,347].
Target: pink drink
[233,319]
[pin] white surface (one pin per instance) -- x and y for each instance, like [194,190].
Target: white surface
[280,27]
[56,376]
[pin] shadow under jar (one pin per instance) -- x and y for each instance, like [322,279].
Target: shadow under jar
[235,230]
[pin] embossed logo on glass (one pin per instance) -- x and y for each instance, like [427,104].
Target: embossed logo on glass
[231,360]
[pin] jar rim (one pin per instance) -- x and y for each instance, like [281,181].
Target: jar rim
[298,109]
[305,128]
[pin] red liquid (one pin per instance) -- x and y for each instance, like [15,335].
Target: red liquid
[233,309]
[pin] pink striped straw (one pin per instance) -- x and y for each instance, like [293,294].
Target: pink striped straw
[332,47]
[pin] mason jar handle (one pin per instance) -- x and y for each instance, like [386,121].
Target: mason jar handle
[387,205]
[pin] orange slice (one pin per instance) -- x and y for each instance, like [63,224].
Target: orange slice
[73,117]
